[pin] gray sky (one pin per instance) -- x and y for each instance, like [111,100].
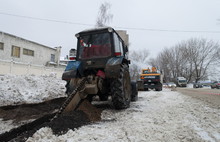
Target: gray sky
[153,16]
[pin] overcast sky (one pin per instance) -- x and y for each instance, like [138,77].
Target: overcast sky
[164,23]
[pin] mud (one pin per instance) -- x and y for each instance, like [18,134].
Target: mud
[68,121]
[85,114]
[92,112]
[29,111]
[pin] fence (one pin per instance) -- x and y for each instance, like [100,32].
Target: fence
[18,68]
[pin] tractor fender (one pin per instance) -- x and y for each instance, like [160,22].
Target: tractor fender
[113,66]
[73,69]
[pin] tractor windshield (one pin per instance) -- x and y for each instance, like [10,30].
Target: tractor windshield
[94,46]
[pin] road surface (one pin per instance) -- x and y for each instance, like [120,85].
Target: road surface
[207,95]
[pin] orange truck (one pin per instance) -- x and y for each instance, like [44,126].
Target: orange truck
[150,79]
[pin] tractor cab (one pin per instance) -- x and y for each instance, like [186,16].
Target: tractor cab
[103,64]
[99,43]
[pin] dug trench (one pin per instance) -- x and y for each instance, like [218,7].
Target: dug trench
[42,114]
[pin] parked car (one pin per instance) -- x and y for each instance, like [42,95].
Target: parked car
[165,85]
[197,85]
[171,84]
[215,84]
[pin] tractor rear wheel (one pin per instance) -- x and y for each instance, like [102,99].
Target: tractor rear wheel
[121,89]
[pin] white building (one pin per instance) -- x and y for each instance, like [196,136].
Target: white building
[20,56]
[123,34]
[26,51]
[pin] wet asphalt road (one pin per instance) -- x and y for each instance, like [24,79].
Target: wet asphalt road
[208,95]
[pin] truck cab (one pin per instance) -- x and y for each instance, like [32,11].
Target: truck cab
[150,79]
[181,82]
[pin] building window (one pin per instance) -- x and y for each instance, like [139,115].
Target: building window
[15,52]
[1,46]
[52,58]
[28,52]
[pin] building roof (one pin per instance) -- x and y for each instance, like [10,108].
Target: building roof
[4,33]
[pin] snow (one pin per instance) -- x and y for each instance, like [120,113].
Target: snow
[27,89]
[6,126]
[156,116]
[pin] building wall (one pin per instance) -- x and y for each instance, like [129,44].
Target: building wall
[123,34]
[42,54]
[18,68]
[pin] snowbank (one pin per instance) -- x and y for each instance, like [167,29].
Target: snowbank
[26,89]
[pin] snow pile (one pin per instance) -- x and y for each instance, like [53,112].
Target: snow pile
[26,89]
[156,116]
[190,85]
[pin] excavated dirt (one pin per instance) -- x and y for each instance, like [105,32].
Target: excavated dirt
[29,111]
[85,114]
[92,112]
[68,121]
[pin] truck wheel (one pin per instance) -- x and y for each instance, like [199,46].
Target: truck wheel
[134,95]
[158,89]
[121,89]
[146,89]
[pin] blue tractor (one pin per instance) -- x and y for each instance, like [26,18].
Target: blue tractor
[100,68]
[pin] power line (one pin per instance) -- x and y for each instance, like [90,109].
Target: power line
[43,19]
[128,28]
[165,30]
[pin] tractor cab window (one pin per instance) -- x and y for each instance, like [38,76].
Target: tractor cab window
[118,45]
[94,46]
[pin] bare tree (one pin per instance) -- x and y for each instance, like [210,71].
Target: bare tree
[201,54]
[104,15]
[138,62]
[190,59]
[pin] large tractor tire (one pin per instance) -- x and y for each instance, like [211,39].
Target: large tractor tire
[134,90]
[121,89]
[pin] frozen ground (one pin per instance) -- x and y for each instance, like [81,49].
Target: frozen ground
[156,116]
[26,89]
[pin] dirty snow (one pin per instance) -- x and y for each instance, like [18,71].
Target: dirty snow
[26,89]
[156,116]
[6,126]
